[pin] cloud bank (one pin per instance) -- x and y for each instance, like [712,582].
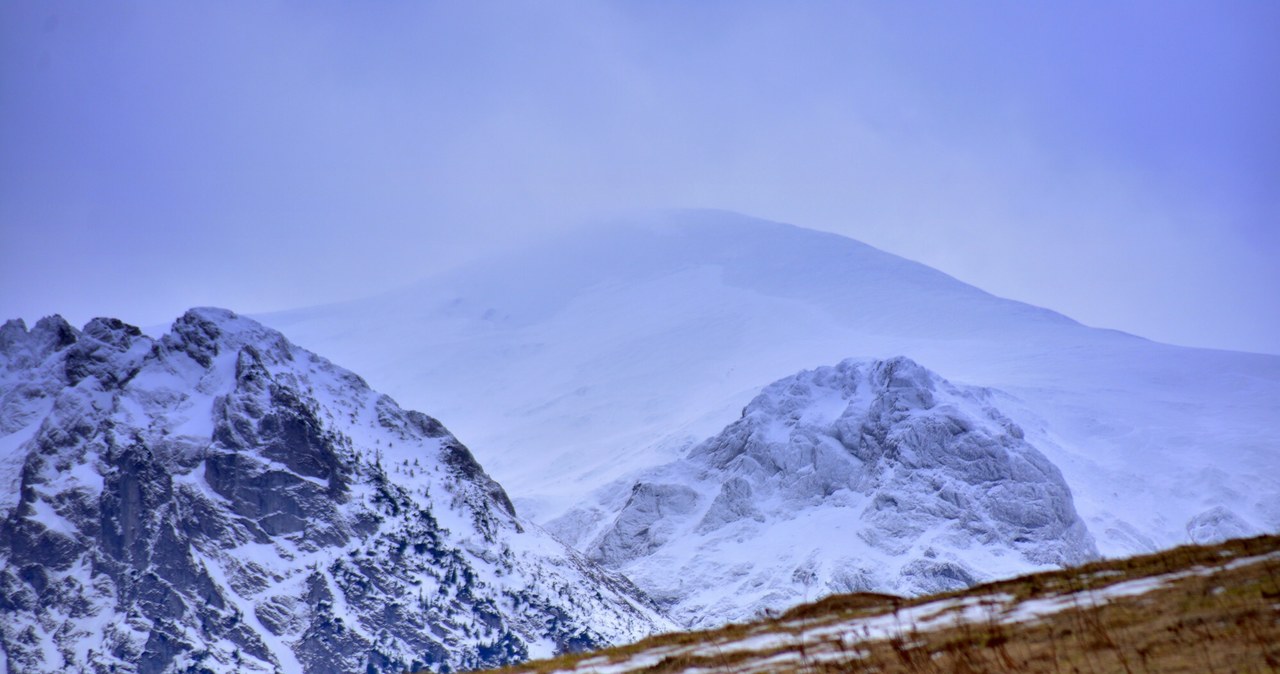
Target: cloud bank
[1117,163]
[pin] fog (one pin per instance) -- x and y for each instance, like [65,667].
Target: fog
[1116,162]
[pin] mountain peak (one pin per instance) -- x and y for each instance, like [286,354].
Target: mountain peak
[220,500]
[111,331]
[205,333]
[915,483]
[613,349]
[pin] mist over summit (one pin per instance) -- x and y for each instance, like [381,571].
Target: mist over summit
[594,355]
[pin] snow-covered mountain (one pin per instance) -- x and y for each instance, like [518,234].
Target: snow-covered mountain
[866,476]
[220,500]
[619,348]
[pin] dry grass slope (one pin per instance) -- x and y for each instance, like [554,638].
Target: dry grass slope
[1195,609]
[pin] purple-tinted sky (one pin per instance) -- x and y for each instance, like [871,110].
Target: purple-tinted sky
[1118,162]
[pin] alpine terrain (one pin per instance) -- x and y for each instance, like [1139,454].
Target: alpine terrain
[603,376]
[220,500]
[866,476]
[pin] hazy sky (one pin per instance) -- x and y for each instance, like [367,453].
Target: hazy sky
[1116,161]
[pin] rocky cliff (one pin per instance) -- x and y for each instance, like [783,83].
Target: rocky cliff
[871,475]
[222,500]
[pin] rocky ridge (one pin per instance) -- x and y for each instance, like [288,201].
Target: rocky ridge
[868,476]
[222,500]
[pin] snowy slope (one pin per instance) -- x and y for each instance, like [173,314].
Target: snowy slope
[869,476]
[220,500]
[616,349]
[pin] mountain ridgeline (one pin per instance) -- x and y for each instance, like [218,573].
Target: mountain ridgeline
[617,348]
[220,500]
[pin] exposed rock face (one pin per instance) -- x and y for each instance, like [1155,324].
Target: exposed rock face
[221,500]
[865,476]
[645,523]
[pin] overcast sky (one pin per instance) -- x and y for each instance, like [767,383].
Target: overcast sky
[1116,161]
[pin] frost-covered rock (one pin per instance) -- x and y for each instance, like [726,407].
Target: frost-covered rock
[220,500]
[645,523]
[865,476]
[1216,525]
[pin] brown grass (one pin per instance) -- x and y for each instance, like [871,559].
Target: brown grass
[1204,618]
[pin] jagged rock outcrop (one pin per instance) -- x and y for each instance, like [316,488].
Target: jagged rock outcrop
[866,476]
[221,500]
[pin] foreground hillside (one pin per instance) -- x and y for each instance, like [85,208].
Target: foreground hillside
[1190,609]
